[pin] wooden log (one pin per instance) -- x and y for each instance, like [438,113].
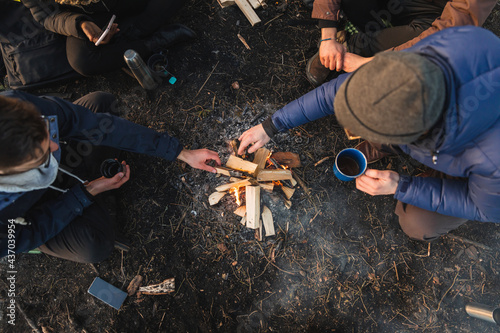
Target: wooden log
[248,11]
[288,191]
[260,159]
[240,164]
[237,184]
[162,288]
[134,285]
[215,197]
[252,194]
[254,3]
[274,174]
[267,220]
[268,187]
[241,211]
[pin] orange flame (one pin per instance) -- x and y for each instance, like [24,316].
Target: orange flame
[235,191]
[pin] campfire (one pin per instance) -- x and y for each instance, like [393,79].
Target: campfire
[266,172]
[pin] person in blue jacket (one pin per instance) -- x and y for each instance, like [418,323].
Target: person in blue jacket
[439,102]
[59,214]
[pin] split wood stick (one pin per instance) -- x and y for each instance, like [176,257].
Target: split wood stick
[268,187]
[162,288]
[267,219]
[244,220]
[240,37]
[288,191]
[275,174]
[215,197]
[226,3]
[241,211]
[237,184]
[248,11]
[259,230]
[134,285]
[240,164]
[254,3]
[260,159]
[235,179]
[223,171]
[252,194]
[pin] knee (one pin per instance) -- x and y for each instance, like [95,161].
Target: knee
[81,56]
[96,252]
[99,102]
[418,233]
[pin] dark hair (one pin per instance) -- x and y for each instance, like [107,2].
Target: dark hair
[22,131]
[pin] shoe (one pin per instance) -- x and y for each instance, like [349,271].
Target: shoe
[371,152]
[172,34]
[315,71]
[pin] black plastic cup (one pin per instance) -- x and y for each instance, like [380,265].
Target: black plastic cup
[110,167]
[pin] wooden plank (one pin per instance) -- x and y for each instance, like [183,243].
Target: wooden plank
[241,211]
[240,164]
[215,197]
[254,3]
[248,11]
[275,174]
[252,195]
[268,187]
[267,220]
[260,159]
[237,184]
[288,191]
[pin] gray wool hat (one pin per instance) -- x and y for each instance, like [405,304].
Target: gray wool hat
[393,99]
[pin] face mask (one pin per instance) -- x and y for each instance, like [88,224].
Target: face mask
[34,179]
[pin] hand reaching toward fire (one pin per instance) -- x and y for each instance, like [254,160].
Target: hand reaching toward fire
[353,61]
[378,182]
[198,159]
[255,135]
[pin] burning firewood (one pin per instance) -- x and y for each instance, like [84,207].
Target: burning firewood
[162,288]
[291,160]
[261,156]
[268,187]
[237,184]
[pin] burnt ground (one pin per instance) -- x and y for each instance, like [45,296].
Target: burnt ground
[339,261]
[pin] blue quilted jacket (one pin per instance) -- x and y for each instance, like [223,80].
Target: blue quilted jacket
[466,144]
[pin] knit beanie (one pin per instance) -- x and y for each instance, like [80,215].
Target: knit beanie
[393,99]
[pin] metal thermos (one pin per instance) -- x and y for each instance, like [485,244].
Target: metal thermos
[483,312]
[141,72]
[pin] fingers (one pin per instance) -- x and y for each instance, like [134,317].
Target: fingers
[340,61]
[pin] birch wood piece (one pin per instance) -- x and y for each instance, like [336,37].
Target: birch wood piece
[252,194]
[241,211]
[162,288]
[237,184]
[267,220]
[276,174]
[260,158]
[134,285]
[288,191]
[240,164]
[215,197]
[268,187]
[248,11]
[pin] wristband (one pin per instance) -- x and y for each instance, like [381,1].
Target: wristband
[325,39]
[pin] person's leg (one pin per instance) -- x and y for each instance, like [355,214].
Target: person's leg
[88,238]
[421,224]
[88,59]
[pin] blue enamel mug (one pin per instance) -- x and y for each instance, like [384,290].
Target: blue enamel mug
[349,164]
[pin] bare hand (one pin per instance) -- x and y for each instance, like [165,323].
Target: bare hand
[255,135]
[93,32]
[331,55]
[198,158]
[105,184]
[353,61]
[378,182]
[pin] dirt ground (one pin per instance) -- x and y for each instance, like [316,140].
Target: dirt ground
[339,261]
